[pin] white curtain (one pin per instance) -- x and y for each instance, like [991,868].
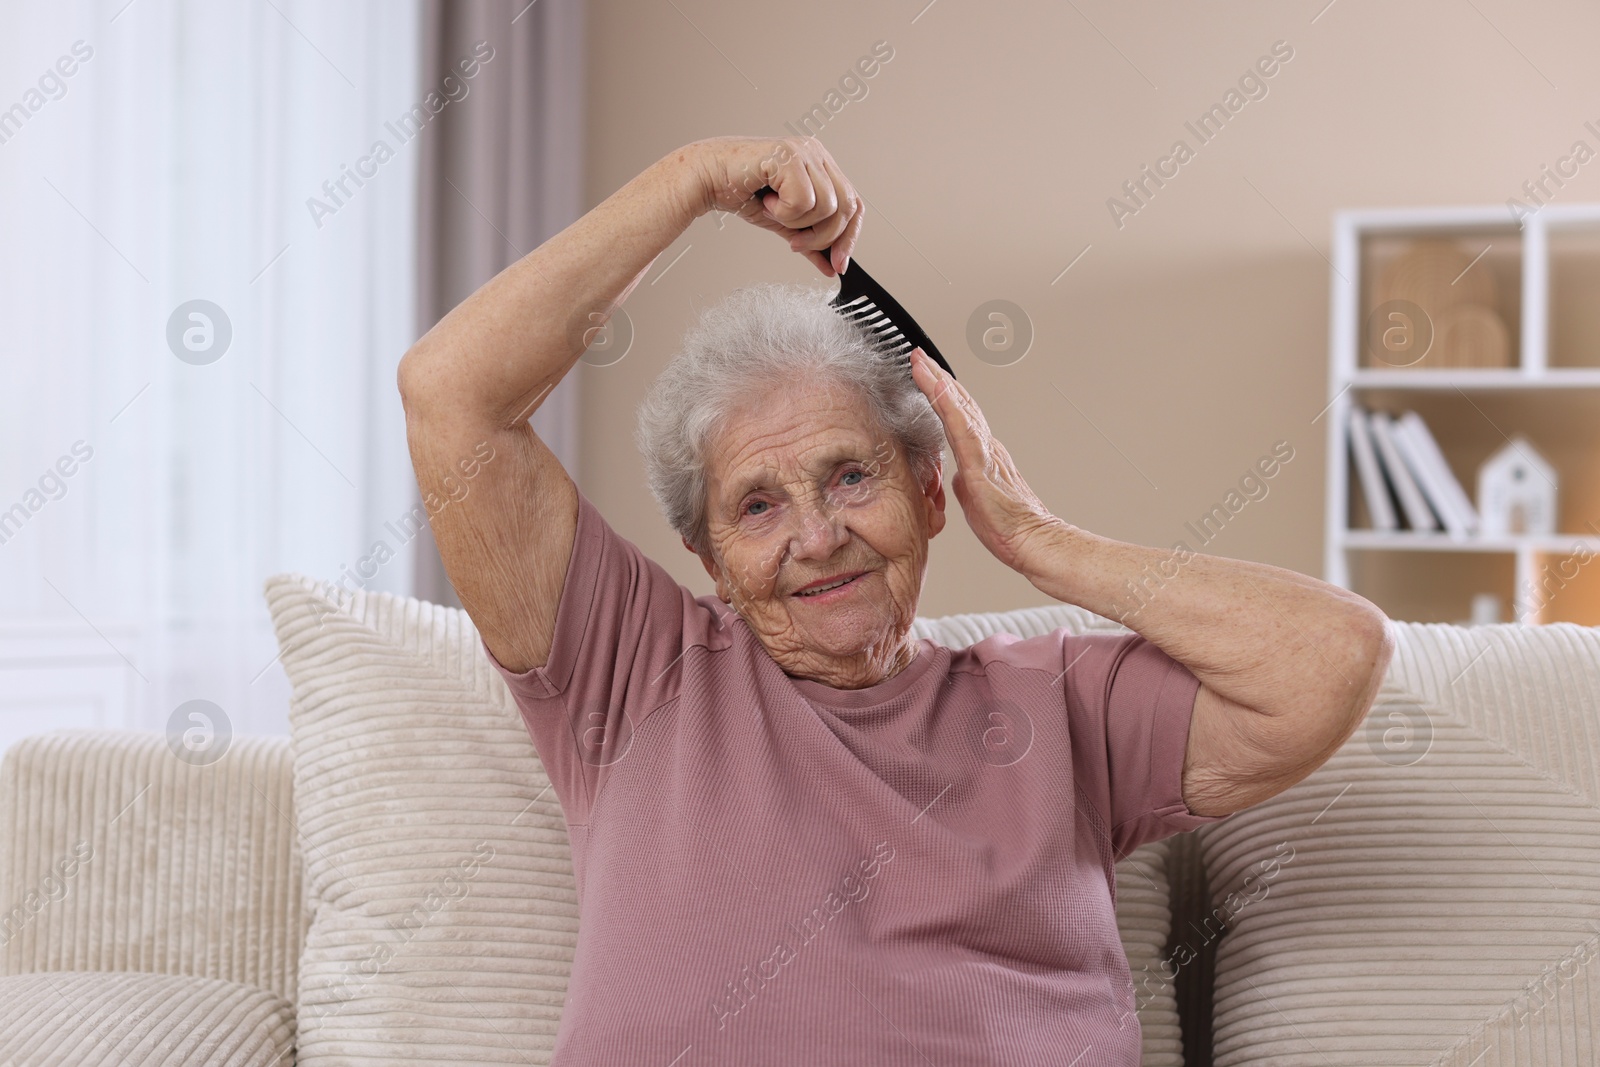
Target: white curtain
[183,159]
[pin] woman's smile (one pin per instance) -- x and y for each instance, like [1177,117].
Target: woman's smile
[835,589]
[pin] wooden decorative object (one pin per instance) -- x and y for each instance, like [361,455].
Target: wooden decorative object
[1424,273]
[1459,297]
[1471,335]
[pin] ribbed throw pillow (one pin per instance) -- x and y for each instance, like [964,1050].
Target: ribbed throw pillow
[439,876]
[1431,895]
[116,856]
[1144,919]
[138,1019]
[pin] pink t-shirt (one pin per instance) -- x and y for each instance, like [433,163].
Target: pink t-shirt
[772,871]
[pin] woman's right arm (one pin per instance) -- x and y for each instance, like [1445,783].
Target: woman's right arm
[502,510]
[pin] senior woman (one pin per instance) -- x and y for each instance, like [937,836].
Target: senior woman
[799,835]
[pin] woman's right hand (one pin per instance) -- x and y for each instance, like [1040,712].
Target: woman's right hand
[809,201]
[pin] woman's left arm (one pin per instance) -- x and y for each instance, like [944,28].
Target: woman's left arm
[1288,664]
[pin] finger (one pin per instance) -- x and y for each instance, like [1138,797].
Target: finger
[818,258]
[965,441]
[821,261]
[844,194]
[832,212]
[926,375]
[756,216]
[845,247]
[826,233]
[795,193]
[985,452]
[965,401]
[962,398]
[825,198]
[852,207]
[946,389]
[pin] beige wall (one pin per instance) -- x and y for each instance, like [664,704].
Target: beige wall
[1192,338]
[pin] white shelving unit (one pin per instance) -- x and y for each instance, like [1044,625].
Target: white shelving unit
[1349,382]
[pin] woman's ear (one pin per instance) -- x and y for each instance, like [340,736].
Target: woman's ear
[711,569]
[933,497]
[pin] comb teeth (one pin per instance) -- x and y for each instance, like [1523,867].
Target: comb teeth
[877,323]
[864,302]
[879,327]
[870,317]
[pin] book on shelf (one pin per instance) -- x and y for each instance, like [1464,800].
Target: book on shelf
[1449,488]
[1428,480]
[1417,512]
[1373,487]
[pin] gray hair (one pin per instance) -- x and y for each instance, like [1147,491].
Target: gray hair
[753,341]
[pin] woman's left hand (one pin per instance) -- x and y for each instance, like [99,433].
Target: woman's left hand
[1005,514]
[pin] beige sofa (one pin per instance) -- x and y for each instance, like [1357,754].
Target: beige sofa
[391,884]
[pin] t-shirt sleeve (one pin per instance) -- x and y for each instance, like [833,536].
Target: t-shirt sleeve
[1129,706]
[621,631]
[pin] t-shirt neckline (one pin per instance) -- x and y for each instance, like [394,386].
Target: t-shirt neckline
[873,695]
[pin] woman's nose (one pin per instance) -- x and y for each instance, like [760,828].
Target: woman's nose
[820,531]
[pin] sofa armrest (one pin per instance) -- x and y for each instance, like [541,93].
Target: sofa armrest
[116,855]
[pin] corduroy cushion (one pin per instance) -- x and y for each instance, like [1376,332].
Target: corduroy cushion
[1431,895]
[116,855]
[410,758]
[137,1019]
[1144,919]
[438,869]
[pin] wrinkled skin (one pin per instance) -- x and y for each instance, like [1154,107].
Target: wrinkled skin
[828,493]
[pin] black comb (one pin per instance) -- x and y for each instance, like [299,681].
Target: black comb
[866,303]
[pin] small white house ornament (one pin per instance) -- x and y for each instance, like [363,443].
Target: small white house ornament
[1517,491]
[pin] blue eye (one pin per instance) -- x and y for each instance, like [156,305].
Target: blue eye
[749,510]
[853,474]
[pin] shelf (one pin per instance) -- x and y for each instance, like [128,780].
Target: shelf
[1555,378]
[1573,326]
[1539,275]
[1437,586]
[1412,540]
[1417,221]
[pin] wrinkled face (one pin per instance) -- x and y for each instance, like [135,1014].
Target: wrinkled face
[804,489]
